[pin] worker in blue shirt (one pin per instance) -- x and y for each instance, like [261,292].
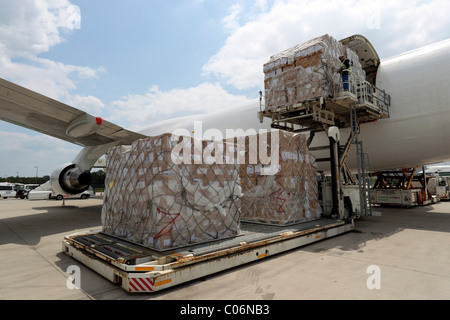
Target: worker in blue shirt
[344,71]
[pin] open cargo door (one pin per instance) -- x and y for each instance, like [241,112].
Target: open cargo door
[368,56]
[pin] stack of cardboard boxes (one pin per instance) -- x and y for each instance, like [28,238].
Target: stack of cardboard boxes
[306,72]
[283,191]
[168,191]
[155,199]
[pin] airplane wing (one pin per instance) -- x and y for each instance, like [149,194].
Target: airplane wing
[34,111]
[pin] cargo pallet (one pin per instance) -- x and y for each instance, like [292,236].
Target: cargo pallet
[139,269]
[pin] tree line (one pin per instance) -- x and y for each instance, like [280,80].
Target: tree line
[98,179]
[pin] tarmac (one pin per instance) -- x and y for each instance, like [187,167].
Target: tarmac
[403,254]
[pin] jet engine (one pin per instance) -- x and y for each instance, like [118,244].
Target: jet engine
[70,179]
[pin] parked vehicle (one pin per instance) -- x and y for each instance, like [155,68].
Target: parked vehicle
[443,188]
[23,190]
[7,190]
[84,195]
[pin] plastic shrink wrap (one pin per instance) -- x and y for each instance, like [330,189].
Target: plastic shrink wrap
[167,191]
[287,194]
[307,71]
[155,199]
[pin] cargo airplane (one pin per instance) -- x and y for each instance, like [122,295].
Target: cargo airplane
[417,133]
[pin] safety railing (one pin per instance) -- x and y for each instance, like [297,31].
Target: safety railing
[369,94]
[351,84]
[366,93]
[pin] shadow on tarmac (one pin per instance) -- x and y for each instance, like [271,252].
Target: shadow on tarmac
[49,220]
[434,217]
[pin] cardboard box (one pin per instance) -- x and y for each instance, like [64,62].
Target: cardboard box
[306,72]
[288,196]
[154,201]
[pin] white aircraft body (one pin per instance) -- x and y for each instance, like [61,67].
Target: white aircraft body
[416,133]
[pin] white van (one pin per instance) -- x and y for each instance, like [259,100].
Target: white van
[84,195]
[7,190]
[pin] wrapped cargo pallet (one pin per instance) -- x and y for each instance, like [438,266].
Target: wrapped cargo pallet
[287,196]
[306,72]
[155,199]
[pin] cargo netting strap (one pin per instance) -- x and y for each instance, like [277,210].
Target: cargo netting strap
[307,72]
[288,196]
[153,201]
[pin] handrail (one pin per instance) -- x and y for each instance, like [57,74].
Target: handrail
[353,83]
[375,96]
[365,92]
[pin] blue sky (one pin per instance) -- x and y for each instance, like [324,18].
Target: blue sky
[143,43]
[138,62]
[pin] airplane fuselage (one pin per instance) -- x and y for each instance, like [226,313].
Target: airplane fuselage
[417,132]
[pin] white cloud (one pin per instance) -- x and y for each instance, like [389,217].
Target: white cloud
[31,27]
[90,104]
[392,26]
[51,78]
[262,5]
[417,23]
[230,22]
[24,151]
[156,105]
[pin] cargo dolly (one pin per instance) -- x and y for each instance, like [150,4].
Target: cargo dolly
[139,269]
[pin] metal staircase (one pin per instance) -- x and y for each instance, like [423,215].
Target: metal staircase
[363,176]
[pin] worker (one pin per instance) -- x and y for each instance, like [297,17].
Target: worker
[344,71]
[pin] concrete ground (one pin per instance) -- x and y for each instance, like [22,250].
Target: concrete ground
[403,254]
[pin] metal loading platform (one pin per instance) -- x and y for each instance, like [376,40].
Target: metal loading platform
[360,97]
[142,270]
[352,103]
[367,101]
